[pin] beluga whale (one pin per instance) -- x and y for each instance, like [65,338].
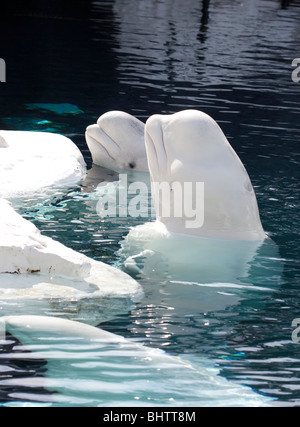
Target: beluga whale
[189,148]
[117,142]
[206,255]
[208,228]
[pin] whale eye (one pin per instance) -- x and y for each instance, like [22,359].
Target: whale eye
[248,187]
[132,165]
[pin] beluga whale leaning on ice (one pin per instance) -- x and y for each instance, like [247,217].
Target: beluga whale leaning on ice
[117,142]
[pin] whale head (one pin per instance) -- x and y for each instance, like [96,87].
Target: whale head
[117,142]
[188,148]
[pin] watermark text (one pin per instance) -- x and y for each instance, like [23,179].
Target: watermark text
[296,331]
[2,71]
[174,200]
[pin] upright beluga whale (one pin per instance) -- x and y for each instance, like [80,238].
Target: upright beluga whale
[117,142]
[190,147]
[89,367]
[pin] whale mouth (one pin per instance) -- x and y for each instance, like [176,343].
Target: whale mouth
[156,147]
[98,140]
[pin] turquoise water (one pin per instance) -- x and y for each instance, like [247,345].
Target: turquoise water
[229,59]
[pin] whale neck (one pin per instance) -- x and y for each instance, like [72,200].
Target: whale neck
[251,235]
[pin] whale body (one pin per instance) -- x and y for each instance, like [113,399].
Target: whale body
[190,147]
[117,142]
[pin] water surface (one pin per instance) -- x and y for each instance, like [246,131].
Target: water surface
[232,59]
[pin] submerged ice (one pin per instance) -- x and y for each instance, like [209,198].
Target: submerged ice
[87,366]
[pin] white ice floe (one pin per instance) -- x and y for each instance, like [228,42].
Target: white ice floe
[36,163]
[37,268]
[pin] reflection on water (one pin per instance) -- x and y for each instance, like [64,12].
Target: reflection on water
[231,59]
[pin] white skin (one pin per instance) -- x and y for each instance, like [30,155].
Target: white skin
[190,147]
[117,142]
[3,143]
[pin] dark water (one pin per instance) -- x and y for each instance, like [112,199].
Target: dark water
[229,58]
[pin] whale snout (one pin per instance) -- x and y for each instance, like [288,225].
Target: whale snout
[155,145]
[154,128]
[104,150]
[93,132]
